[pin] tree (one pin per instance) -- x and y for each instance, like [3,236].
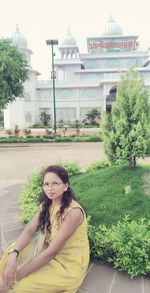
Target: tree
[126,129]
[1,118]
[93,115]
[45,118]
[77,126]
[13,73]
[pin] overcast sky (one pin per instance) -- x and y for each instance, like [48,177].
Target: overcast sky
[40,20]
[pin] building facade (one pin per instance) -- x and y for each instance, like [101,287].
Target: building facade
[83,81]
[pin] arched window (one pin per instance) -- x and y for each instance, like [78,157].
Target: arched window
[110,98]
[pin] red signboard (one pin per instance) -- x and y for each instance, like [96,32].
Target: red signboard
[128,45]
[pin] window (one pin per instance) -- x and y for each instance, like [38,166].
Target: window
[28,116]
[66,114]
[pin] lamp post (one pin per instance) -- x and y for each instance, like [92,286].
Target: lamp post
[52,43]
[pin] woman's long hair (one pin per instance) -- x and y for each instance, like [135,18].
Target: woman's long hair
[44,217]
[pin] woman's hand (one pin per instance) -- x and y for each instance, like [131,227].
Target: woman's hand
[9,273]
[19,274]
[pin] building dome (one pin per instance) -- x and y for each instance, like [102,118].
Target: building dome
[69,40]
[112,28]
[18,39]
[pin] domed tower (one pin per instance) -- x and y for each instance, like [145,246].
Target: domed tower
[22,112]
[21,43]
[112,28]
[69,48]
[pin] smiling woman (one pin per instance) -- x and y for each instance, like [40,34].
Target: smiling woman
[52,253]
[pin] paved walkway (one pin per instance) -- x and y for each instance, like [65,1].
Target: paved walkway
[19,162]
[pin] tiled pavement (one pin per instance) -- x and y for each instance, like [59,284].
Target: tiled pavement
[100,278]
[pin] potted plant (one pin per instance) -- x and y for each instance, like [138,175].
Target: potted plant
[16,131]
[9,132]
[27,131]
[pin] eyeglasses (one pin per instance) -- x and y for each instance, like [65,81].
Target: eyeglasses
[53,184]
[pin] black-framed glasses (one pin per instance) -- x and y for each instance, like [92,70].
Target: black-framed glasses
[52,184]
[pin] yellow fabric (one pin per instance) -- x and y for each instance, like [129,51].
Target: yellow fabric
[66,271]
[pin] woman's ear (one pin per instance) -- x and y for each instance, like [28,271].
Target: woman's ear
[66,186]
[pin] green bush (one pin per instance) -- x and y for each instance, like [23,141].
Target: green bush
[89,138]
[29,197]
[90,126]
[63,139]
[30,138]
[148,147]
[126,129]
[125,245]
[39,126]
[98,165]
[72,168]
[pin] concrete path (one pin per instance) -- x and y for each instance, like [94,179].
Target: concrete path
[19,162]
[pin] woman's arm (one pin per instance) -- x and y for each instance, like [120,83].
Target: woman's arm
[71,222]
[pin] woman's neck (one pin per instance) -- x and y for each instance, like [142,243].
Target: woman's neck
[56,203]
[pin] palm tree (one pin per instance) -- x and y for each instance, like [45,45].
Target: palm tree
[93,116]
[45,118]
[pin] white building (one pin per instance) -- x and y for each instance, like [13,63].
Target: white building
[83,81]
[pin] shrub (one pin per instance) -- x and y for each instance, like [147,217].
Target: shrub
[16,129]
[27,131]
[45,118]
[125,245]
[126,129]
[63,139]
[148,147]
[53,138]
[91,138]
[93,116]
[29,136]
[49,132]
[72,168]
[29,197]
[9,131]
[98,165]
[38,125]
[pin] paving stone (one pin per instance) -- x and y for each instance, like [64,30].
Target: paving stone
[10,236]
[17,188]
[146,285]
[8,196]
[3,194]
[11,226]
[9,217]
[4,205]
[84,291]
[99,279]
[8,210]
[124,284]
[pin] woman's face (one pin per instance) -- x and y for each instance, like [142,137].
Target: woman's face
[54,187]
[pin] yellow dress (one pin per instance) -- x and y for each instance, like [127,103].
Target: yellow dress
[66,271]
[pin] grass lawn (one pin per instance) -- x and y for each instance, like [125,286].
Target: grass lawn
[109,194]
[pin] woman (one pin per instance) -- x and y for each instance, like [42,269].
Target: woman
[52,253]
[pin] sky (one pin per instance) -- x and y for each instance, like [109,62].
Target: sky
[39,20]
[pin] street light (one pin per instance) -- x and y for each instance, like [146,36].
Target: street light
[52,43]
